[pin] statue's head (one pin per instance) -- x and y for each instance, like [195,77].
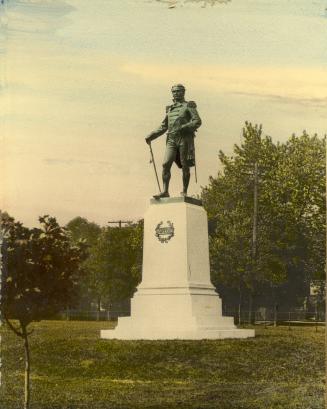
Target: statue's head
[178,92]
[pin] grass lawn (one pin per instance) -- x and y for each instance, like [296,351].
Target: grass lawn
[72,368]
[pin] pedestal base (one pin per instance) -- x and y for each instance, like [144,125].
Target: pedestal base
[175,334]
[176,313]
[176,299]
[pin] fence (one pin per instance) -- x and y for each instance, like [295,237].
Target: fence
[265,317]
[271,317]
[91,315]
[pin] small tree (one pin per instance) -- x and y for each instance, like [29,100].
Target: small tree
[41,267]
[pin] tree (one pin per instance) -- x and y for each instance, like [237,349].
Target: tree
[296,195]
[113,267]
[41,270]
[91,286]
[241,253]
[81,229]
[266,210]
[119,260]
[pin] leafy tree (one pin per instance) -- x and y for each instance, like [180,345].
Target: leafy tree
[119,260]
[92,285]
[41,269]
[113,267]
[266,210]
[296,195]
[82,229]
[241,254]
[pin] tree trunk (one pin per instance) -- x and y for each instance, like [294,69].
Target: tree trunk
[275,314]
[250,307]
[275,305]
[239,306]
[98,308]
[27,368]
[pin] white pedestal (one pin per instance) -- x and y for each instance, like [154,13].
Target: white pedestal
[176,299]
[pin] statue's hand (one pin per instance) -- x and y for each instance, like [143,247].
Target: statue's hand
[148,140]
[184,128]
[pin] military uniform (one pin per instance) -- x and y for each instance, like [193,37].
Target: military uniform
[180,123]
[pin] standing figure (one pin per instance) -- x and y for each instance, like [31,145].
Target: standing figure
[181,122]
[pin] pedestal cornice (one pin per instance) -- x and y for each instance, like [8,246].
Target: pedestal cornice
[177,199]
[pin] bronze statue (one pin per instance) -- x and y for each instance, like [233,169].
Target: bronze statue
[181,122]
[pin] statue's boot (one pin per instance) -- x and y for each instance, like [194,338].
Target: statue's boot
[165,183]
[161,195]
[186,181]
[165,180]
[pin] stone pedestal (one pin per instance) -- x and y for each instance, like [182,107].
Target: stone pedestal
[176,299]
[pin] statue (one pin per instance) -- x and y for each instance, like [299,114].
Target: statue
[181,122]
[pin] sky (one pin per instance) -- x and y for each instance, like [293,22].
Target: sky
[83,83]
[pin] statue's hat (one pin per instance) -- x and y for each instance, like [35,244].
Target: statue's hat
[178,86]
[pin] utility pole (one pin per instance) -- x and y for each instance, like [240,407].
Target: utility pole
[120,222]
[254,229]
[255,212]
[255,176]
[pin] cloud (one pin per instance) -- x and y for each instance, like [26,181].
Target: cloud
[315,102]
[297,84]
[203,3]
[91,166]
[60,161]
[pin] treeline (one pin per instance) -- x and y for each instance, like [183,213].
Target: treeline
[266,210]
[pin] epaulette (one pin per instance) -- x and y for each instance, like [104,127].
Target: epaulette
[191,104]
[168,108]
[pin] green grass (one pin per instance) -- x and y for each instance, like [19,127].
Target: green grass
[72,368]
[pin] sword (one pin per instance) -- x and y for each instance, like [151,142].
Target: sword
[154,166]
[196,177]
[195,173]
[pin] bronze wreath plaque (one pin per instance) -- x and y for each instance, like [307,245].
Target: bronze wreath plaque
[165,233]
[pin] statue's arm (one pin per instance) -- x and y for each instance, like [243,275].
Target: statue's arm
[158,132]
[195,121]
